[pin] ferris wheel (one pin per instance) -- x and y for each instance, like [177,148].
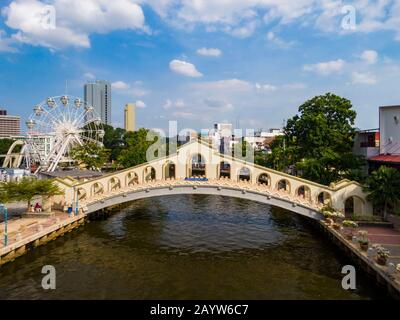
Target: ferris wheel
[56,126]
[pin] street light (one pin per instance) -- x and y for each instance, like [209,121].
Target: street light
[77,203]
[5,212]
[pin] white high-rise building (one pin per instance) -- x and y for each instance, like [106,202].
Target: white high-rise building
[221,137]
[98,95]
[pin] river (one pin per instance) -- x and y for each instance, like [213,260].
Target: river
[188,247]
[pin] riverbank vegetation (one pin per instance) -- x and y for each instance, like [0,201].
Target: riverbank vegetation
[27,189]
[383,190]
[317,143]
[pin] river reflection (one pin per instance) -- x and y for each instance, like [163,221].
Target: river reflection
[188,247]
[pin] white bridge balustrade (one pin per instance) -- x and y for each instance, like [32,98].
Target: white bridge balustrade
[225,175]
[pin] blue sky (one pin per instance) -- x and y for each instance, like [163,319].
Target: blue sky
[200,62]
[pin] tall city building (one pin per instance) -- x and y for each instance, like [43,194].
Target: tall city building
[221,136]
[98,95]
[9,125]
[130,117]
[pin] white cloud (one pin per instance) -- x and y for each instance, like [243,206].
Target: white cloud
[89,75]
[120,85]
[363,78]
[265,87]
[242,17]
[326,68]
[184,68]
[135,89]
[210,52]
[6,43]
[271,37]
[243,31]
[370,56]
[74,20]
[229,85]
[140,104]
[170,104]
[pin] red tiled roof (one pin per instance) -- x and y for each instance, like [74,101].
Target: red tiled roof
[386,158]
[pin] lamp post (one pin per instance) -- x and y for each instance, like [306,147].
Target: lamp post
[77,202]
[5,227]
[5,212]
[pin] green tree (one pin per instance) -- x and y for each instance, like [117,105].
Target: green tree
[281,156]
[114,141]
[5,145]
[91,154]
[136,146]
[318,141]
[383,189]
[27,189]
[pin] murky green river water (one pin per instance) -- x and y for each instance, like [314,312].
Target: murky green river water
[188,247]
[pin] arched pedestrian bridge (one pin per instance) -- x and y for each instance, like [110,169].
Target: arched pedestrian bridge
[220,175]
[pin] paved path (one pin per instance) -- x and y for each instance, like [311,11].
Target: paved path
[388,238]
[20,228]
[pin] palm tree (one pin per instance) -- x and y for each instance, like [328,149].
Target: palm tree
[383,188]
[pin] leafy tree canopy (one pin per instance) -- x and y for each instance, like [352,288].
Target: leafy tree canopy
[114,140]
[318,141]
[136,146]
[91,154]
[27,189]
[383,189]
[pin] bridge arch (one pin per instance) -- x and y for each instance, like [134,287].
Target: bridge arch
[97,188]
[324,198]
[197,165]
[354,205]
[149,173]
[304,192]
[265,179]
[232,192]
[169,170]
[131,179]
[224,169]
[114,184]
[244,174]
[283,185]
[82,194]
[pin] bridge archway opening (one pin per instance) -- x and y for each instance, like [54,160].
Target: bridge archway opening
[149,173]
[304,192]
[131,179]
[169,170]
[324,198]
[82,194]
[97,188]
[224,170]
[197,167]
[114,184]
[264,179]
[283,185]
[244,174]
[353,206]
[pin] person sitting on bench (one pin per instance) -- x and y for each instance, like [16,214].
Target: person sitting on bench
[38,207]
